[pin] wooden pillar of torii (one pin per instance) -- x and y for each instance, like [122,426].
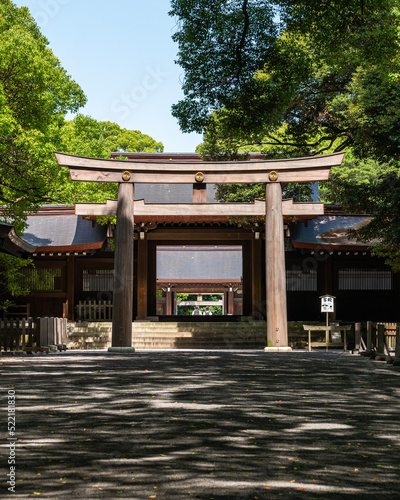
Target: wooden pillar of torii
[270,172]
[123,268]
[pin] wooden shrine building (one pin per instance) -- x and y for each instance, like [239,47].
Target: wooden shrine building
[74,260]
[12,244]
[178,170]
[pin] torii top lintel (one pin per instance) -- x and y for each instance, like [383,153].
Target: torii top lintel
[308,169]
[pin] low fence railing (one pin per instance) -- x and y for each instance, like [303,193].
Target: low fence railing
[94,310]
[52,331]
[389,333]
[17,311]
[16,334]
[32,334]
[382,338]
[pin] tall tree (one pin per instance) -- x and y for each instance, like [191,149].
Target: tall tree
[374,189]
[86,136]
[317,67]
[321,77]
[35,94]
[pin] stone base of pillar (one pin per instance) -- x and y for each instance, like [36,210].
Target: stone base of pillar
[121,350]
[379,357]
[277,349]
[367,353]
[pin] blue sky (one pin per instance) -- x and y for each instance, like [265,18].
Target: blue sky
[121,54]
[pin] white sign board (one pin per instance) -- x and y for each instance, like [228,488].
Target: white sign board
[327,304]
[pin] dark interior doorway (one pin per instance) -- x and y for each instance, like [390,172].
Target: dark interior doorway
[198,282]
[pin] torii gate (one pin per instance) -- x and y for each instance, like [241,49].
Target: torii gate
[269,172]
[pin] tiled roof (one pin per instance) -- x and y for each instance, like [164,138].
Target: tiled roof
[63,233]
[175,157]
[12,244]
[329,232]
[170,193]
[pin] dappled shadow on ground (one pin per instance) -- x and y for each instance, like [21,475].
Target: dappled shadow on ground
[206,425]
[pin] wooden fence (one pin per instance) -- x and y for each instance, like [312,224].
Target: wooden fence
[379,337]
[17,311]
[32,334]
[16,334]
[52,331]
[390,334]
[93,310]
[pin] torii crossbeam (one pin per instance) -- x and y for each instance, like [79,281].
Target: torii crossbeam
[255,209]
[270,172]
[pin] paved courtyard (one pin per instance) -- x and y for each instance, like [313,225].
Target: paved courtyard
[202,424]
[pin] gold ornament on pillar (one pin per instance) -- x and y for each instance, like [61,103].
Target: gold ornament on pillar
[199,177]
[273,176]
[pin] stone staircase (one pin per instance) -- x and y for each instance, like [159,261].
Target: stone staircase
[89,335]
[177,335]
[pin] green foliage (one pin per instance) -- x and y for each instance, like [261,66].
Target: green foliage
[345,31]
[247,193]
[11,272]
[212,297]
[317,68]
[321,77]
[215,310]
[216,148]
[185,296]
[351,172]
[374,189]
[184,310]
[221,45]
[124,140]
[35,94]
[188,310]
[370,111]
[85,136]
[390,253]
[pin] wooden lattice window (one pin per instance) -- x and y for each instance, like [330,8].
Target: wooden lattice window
[364,279]
[303,280]
[98,280]
[41,279]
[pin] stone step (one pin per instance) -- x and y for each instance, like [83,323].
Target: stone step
[182,342]
[244,334]
[247,334]
[186,331]
[147,326]
[172,331]
[198,340]
[90,329]
[204,347]
[182,335]
[198,326]
[153,338]
[173,342]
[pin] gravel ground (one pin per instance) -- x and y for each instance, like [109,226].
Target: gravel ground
[210,425]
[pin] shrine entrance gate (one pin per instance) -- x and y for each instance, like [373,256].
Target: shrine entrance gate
[272,173]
